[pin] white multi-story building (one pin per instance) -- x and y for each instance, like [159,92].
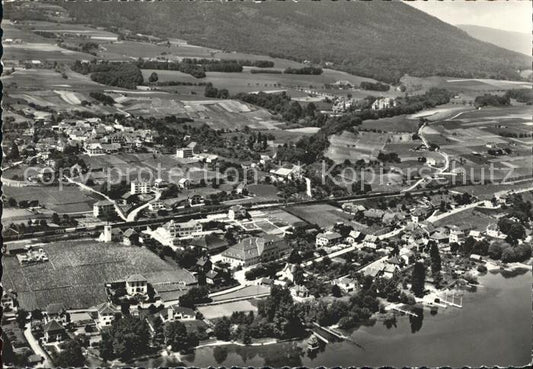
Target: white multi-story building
[384,103]
[103,207]
[184,152]
[136,285]
[139,187]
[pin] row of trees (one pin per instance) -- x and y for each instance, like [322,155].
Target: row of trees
[374,86]
[304,70]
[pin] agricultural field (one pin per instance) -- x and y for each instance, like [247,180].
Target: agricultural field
[365,145]
[279,217]
[458,85]
[472,218]
[246,81]
[468,137]
[70,199]
[323,215]
[78,270]
[134,49]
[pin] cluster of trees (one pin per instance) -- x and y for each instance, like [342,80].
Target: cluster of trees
[127,338]
[103,98]
[304,70]
[492,100]
[513,230]
[390,157]
[523,95]
[268,270]
[125,75]
[178,337]
[281,104]
[374,86]
[347,314]
[211,91]
[196,295]
[185,66]
[71,355]
[85,47]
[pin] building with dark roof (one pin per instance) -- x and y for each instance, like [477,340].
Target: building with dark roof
[254,250]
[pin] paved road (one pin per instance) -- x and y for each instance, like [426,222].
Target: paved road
[85,187]
[47,363]
[133,214]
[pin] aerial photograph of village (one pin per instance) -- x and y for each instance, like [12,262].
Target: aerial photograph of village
[266,183]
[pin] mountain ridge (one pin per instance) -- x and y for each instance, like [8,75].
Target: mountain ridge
[514,41]
[382,40]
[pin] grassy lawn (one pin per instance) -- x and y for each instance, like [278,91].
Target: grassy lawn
[78,270]
[221,310]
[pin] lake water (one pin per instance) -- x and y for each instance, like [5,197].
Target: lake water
[494,327]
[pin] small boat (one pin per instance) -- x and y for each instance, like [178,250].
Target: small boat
[313,343]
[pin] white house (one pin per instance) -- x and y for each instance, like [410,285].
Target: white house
[494,232]
[327,238]
[106,315]
[184,152]
[136,284]
[346,284]
[176,312]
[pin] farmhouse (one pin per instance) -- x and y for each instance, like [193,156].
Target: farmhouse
[104,207]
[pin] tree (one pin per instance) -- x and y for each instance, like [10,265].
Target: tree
[22,317]
[55,218]
[12,202]
[435,259]
[106,346]
[298,275]
[176,336]
[14,153]
[336,291]
[418,279]
[194,296]
[71,355]
[36,314]
[222,329]
[294,257]
[153,77]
